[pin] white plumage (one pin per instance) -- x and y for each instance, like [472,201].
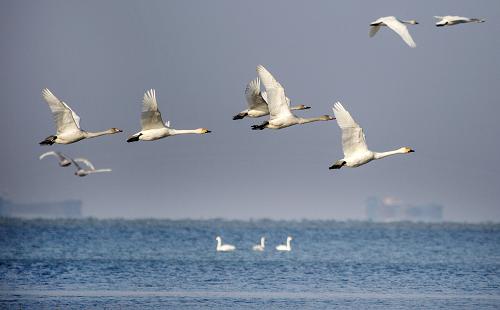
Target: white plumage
[398,26]
[223,247]
[285,247]
[260,247]
[81,172]
[455,20]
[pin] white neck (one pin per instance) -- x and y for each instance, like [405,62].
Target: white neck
[184,131]
[297,107]
[262,242]
[385,154]
[97,134]
[302,120]
[288,243]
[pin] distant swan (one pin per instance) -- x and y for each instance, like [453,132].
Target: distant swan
[81,172]
[257,104]
[224,247]
[285,247]
[356,151]
[398,26]
[280,115]
[67,123]
[261,246]
[63,160]
[152,126]
[455,20]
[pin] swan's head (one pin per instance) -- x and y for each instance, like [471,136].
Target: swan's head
[262,239]
[202,131]
[407,150]
[115,130]
[289,238]
[303,107]
[218,238]
[326,118]
[412,22]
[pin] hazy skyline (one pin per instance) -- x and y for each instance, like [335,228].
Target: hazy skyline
[440,98]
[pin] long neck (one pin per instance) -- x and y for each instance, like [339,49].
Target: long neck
[183,131]
[97,134]
[288,243]
[385,154]
[312,119]
[262,242]
[297,107]
[219,243]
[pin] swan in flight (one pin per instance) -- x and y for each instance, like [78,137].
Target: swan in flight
[81,172]
[224,247]
[356,151]
[67,123]
[455,20]
[280,115]
[257,102]
[285,247]
[152,124]
[260,247]
[398,26]
[64,161]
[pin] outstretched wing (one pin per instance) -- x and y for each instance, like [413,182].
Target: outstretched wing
[373,30]
[276,99]
[65,118]
[255,99]
[85,161]
[353,138]
[150,116]
[401,29]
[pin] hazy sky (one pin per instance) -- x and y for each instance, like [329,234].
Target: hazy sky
[440,98]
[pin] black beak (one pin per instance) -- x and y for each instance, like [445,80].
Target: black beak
[411,151]
[208,131]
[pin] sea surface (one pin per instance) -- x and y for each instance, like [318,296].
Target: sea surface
[158,264]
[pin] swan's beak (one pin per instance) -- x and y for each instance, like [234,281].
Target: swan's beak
[208,131]
[411,151]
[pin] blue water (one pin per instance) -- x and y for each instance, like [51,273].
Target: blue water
[173,264]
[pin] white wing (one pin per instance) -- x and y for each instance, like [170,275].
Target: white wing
[99,170]
[255,99]
[167,124]
[85,161]
[65,118]
[264,96]
[276,99]
[150,116]
[401,29]
[353,138]
[373,30]
[47,154]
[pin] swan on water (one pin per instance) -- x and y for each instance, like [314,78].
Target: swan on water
[398,26]
[356,151]
[67,123]
[280,115]
[64,161]
[81,172]
[152,126]
[455,20]
[285,247]
[223,247]
[261,246]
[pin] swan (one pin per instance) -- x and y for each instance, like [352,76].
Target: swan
[260,247]
[67,123]
[81,172]
[455,20]
[398,26]
[224,247]
[280,115]
[152,127]
[356,151]
[64,161]
[285,247]
[257,103]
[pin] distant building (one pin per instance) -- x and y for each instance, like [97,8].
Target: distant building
[390,209]
[62,209]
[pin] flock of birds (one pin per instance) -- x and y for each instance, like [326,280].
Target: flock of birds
[271,101]
[287,247]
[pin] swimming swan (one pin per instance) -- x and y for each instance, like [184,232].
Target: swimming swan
[280,115]
[285,247]
[455,20]
[257,104]
[81,172]
[260,247]
[398,26]
[64,161]
[356,151]
[224,247]
[67,123]
[152,124]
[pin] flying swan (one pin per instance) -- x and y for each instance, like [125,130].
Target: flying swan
[398,26]
[81,172]
[280,115]
[224,247]
[152,124]
[64,161]
[285,247]
[260,247]
[257,102]
[356,151]
[67,123]
[455,20]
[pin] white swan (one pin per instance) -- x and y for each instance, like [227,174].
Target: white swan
[280,115]
[81,172]
[64,161]
[356,151]
[152,124]
[223,247]
[257,104]
[398,26]
[261,246]
[455,20]
[285,247]
[67,123]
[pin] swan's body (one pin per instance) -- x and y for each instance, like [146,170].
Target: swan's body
[68,123]
[64,161]
[81,172]
[152,126]
[455,20]
[285,247]
[356,151]
[257,102]
[280,115]
[260,247]
[224,247]
[398,26]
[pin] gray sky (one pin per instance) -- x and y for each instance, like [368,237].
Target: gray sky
[440,98]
